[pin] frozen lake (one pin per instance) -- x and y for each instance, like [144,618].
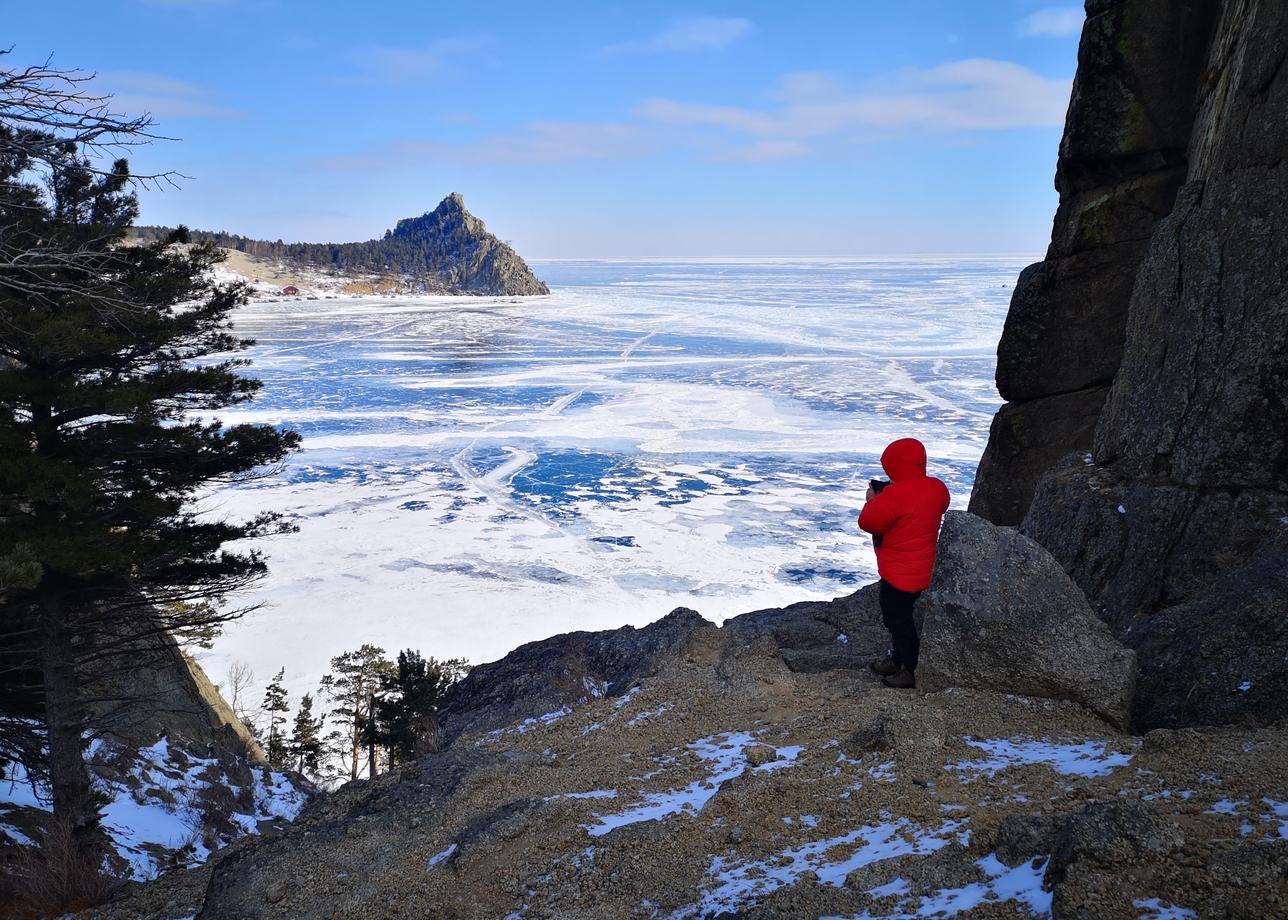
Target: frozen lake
[482,472]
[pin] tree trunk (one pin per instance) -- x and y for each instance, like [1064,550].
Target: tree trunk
[371,735]
[357,738]
[65,721]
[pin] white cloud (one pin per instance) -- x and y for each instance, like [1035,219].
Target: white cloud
[536,142]
[142,82]
[699,33]
[969,95]
[976,94]
[764,152]
[560,142]
[136,92]
[401,66]
[1053,21]
[807,86]
[695,33]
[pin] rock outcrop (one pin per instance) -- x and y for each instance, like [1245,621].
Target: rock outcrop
[1002,615]
[844,633]
[541,679]
[163,692]
[457,249]
[723,782]
[1121,161]
[1171,518]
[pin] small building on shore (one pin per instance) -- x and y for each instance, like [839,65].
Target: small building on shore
[290,289]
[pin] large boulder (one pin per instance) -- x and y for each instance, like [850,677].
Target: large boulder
[1002,615]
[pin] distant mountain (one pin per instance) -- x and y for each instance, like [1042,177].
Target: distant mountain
[448,250]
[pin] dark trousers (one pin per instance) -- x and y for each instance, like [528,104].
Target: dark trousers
[896,613]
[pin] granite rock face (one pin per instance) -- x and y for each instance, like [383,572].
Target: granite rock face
[1121,161]
[1025,440]
[1173,518]
[1001,615]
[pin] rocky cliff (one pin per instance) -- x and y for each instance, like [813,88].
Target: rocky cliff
[1122,159]
[166,693]
[1145,362]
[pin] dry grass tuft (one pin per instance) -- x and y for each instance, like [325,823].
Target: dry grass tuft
[54,878]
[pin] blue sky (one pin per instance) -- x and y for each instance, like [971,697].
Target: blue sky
[611,130]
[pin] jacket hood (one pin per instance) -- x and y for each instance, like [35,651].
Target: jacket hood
[904,459]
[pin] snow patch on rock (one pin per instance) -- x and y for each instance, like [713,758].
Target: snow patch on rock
[1082,758]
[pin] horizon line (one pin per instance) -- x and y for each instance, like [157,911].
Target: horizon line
[796,258]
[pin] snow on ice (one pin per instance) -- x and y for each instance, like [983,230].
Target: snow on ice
[651,435]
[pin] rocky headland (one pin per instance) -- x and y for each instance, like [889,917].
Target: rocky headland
[444,251]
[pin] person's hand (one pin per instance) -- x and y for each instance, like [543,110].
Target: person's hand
[870,495]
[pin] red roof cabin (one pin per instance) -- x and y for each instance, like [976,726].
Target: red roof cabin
[290,289]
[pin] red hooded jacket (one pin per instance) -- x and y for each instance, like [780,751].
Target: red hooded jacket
[906,515]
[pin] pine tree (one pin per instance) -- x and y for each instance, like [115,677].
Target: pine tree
[108,355]
[352,686]
[276,708]
[306,739]
[406,711]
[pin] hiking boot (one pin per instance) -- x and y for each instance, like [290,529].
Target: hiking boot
[885,666]
[900,680]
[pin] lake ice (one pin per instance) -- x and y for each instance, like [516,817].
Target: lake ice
[482,472]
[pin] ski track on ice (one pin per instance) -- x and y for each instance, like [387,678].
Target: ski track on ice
[630,349]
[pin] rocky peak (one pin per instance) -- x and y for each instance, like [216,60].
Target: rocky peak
[449,216]
[456,246]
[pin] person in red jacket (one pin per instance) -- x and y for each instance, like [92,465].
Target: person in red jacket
[903,518]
